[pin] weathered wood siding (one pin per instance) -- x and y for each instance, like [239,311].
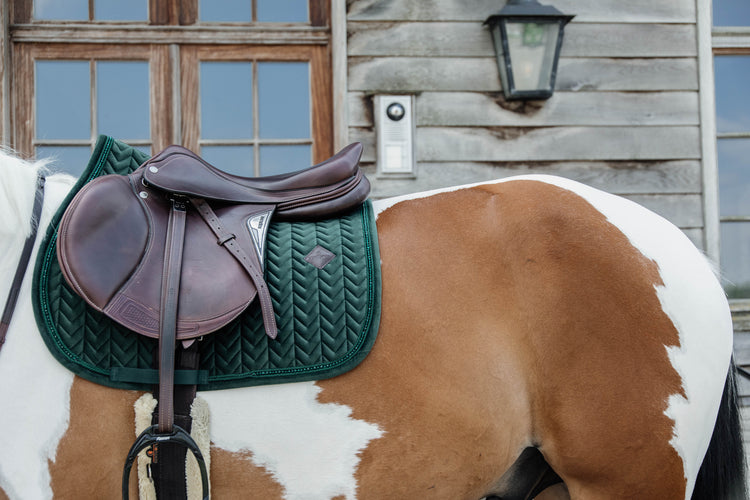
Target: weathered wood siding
[625,116]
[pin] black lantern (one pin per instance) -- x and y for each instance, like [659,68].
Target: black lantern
[527,37]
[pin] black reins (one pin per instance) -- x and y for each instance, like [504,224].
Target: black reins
[23,263]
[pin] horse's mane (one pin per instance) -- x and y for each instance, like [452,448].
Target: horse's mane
[17,188]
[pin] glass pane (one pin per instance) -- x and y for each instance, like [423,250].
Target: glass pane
[226,92]
[70,159]
[734,176]
[276,160]
[532,53]
[63,100]
[731,12]
[282,11]
[732,105]
[121,10]
[735,258]
[239,11]
[237,160]
[123,99]
[284,100]
[69,10]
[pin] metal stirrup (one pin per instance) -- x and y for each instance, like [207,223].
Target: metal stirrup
[151,436]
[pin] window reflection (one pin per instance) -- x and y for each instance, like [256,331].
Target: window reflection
[731,12]
[236,160]
[275,160]
[284,99]
[123,99]
[226,91]
[64,10]
[63,100]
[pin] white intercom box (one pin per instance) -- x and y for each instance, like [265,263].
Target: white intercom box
[394,122]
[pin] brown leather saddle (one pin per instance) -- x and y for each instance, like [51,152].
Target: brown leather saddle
[175,250]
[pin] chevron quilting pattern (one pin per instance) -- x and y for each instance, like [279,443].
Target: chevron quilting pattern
[327,318]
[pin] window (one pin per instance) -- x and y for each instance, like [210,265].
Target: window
[731,42]
[245,83]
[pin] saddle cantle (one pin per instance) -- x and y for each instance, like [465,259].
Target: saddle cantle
[112,239]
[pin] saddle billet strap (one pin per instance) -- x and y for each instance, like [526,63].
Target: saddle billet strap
[250,262]
[168,312]
[23,262]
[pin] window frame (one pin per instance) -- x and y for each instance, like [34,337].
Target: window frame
[723,41]
[173,29]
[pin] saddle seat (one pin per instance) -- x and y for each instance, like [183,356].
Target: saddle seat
[306,194]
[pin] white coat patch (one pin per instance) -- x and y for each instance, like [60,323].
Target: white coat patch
[311,449]
[35,388]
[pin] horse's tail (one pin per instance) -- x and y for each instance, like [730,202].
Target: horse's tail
[722,474]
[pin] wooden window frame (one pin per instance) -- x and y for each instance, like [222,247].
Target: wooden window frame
[723,41]
[320,95]
[173,29]
[160,99]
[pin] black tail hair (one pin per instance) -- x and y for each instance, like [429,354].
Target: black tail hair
[722,474]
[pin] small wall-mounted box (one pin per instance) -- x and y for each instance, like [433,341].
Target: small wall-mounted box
[394,122]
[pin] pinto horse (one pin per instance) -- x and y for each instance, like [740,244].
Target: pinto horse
[535,332]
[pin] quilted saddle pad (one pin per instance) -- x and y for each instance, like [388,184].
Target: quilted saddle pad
[328,314]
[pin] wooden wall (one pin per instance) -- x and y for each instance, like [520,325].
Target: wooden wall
[625,115]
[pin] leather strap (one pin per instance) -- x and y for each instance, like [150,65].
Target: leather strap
[168,459]
[251,263]
[23,262]
[168,319]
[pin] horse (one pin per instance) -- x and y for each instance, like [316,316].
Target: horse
[534,332]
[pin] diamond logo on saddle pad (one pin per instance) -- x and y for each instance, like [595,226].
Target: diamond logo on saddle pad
[319,257]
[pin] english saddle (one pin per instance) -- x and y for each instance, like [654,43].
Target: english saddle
[175,250]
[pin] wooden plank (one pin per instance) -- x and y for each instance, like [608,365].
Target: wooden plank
[421,74]
[188,12]
[675,177]
[742,347]
[215,35]
[683,210]
[319,12]
[469,39]
[21,11]
[557,143]
[564,108]
[627,74]
[633,11]
[696,237]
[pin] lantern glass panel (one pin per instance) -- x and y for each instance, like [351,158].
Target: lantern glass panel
[531,46]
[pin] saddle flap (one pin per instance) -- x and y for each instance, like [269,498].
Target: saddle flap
[111,248]
[102,237]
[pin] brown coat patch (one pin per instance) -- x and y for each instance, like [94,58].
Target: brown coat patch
[514,314]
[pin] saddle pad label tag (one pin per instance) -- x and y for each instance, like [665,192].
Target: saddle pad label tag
[258,226]
[319,257]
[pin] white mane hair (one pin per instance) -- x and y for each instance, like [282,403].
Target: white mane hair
[17,190]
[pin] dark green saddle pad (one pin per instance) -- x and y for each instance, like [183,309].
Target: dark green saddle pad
[328,318]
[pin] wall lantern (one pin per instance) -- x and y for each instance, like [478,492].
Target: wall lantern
[527,37]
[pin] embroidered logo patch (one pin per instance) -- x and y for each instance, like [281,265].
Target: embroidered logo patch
[319,257]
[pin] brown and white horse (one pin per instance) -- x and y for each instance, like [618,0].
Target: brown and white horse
[531,317]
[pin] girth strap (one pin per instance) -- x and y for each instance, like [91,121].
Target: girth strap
[250,262]
[168,320]
[23,262]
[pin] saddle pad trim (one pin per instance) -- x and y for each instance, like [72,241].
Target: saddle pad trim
[104,160]
[40,299]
